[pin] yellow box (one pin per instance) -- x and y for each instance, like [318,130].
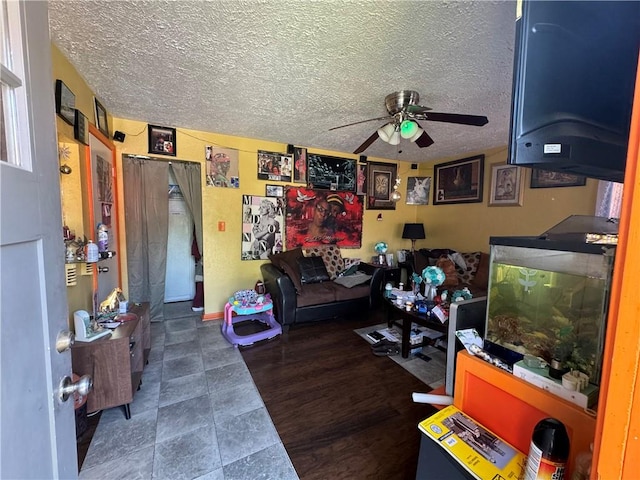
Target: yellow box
[478,450]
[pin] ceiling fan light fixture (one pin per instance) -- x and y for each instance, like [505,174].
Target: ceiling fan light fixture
[386,132]
[416,135]
[408,129]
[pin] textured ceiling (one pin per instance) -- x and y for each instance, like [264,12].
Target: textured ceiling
[288,71]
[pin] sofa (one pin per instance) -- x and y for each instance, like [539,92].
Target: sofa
[462,269]
[318,284]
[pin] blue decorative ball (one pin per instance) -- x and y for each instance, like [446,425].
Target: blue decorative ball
[381,247]
[433,276]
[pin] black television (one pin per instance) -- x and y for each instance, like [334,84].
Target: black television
[573,83]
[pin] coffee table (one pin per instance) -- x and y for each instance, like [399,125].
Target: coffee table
[399,316]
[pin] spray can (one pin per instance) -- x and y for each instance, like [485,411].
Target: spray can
[103,238]
[548,452]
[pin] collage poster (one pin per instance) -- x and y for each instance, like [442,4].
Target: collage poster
[274,166]
[262,226]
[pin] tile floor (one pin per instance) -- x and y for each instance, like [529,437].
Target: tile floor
[197,415]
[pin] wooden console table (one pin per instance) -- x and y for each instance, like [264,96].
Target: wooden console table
[115,362]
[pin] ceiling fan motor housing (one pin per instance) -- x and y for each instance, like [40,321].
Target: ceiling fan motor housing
[398,101]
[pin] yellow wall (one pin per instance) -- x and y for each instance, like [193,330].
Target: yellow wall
[73,191]
[464,227]
[467,227]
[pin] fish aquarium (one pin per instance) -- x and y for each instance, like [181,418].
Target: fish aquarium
[550,298]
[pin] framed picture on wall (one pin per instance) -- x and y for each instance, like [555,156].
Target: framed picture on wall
[418,190]
[331,173]
[548,179]
[459,181]
[81,127]
[65,103]
[381,177]
[162,140]
[274,166]
[506,185]
[274,190]
[361,180]
[101,117]
[300,165]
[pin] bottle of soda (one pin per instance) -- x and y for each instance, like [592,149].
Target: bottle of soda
[548,452]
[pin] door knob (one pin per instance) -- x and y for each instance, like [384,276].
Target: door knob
[103,269]
[69,387]
[64,340]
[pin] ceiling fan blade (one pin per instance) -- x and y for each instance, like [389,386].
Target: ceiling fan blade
[416,109]
[367,143]
[361,121]
[476,120]
[424,140]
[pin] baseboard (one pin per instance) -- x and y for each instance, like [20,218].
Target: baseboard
[212,316]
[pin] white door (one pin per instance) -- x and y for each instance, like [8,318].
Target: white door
[179,282]
[37,436]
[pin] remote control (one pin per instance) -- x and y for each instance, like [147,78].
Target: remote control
[377,336]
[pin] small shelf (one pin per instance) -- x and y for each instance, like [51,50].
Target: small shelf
[103,256]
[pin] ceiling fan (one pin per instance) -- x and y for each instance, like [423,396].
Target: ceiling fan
[404,110]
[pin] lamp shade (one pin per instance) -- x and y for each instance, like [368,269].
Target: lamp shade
[417,135]
[389,134]
[413,231]
[408,129]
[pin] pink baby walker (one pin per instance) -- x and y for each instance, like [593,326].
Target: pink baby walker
[248,305]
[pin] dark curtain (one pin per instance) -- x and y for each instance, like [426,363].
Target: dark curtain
[146,211]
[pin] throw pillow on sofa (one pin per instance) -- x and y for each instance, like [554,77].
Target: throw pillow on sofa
[312,270]
[449,269]
[331,256]
[288,263]
[471,259]
[481,277]
[349,271]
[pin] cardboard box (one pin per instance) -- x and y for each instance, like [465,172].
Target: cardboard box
[540,378]
[482,453]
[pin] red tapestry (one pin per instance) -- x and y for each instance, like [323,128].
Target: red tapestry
[321,217]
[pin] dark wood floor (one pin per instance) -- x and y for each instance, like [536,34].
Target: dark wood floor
[85,428]
[341,412]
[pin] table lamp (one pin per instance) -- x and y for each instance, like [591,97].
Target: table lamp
[413,231]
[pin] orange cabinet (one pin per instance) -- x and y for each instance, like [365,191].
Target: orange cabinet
[511,407]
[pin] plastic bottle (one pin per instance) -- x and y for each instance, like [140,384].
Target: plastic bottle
[548,452]
[103,238]
[92,254]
